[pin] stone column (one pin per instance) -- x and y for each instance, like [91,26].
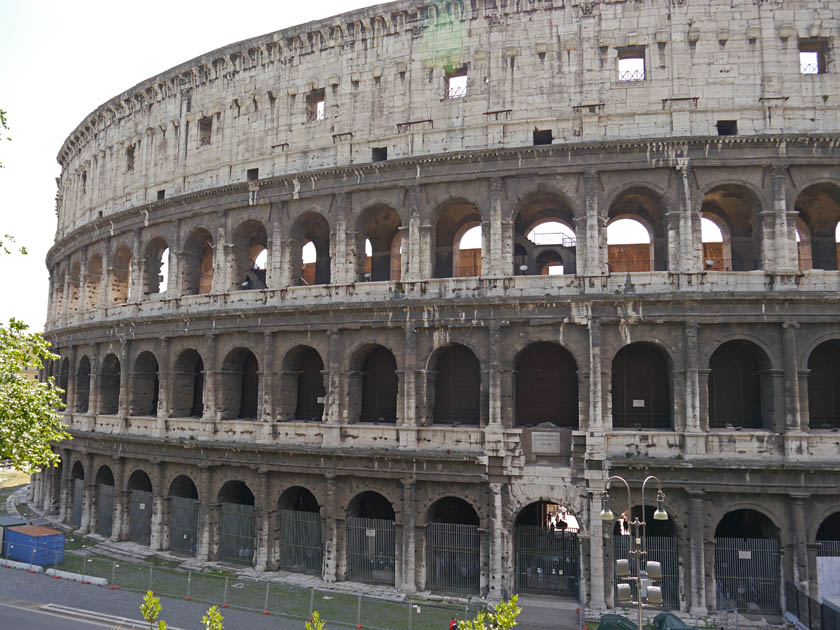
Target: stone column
[594,237]
[93,391]
[263,558]
[267,385]
[427,254]
[596,407]
[71,380]
[491,264]
[494,376]
[408,437]
[65,303]
[274,278]
[344,257]
[596,553]
[64,490]
[119,499]
[698,561]
[135,280]
[804,406]
[690,238]
[767,254]
[692,378]
[793,421]
[800,552]
[703,380]
[204,492]
[412,248]
[210,378]
[672,241]
[125,377]
[333,409]
[409,508]
[331,526]
[173,275]
[105,279]
[164,386]
[158,520]
[220,275]
[86,525]
[83,281]
[786,254]
[497,525]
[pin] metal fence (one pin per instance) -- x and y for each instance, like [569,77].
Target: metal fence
[237,534]
[662,549]
[810,613]
[829,548]
[104,509]
[747,575]
[547,560]
[339,609]
[299,542]
[371,549]
[183,526]
[453,562]
[78,500]
[140,517]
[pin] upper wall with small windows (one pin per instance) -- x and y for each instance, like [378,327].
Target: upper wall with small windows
[403,80]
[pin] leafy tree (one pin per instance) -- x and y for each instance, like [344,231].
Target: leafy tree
[150,609]
[4,127]
[213,620]
[503,618]
[316,623]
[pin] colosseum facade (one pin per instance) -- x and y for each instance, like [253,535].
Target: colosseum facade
[280,348]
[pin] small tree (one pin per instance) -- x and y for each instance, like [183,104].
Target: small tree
[213,620]
[503,618]
[316,623]
[150,609]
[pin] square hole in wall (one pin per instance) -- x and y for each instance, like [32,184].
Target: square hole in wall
[631,63]
[813,55]
[542,136]
[378,154]
[316,103]
[727,127]
[129,158]
[161,194]
[456,82]
[205,130]
[253,174]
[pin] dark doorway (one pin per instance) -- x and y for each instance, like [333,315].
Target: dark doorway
[735,386]
[546,386]
[641,393]
[379,387]
[457,387]
[824,386]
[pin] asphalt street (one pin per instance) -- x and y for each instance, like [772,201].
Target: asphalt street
[25,590]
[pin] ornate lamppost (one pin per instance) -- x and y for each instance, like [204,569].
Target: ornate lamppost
[645,569]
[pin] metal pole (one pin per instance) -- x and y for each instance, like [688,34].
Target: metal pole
[113,574]
[358,610]
[150,577]
[189,583]
[410,614]
[226,591]
[311,600]
[265,605]
[84,564]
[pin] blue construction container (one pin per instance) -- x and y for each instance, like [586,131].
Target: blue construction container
[34,544]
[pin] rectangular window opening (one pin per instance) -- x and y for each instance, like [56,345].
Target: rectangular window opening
[727,127]
[631,63]
[379,154]
[813,55]
[456,82]
[542,136]
[205,130]
[316,102]
[129,158]
[84,182]
[253,174]
[161,194]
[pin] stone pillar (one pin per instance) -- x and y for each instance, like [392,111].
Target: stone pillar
[287,276]
[158,520]
[690,238]
[596,553]
[65,303]
[105,279]
[119,499]
[793,420]
[767,246]
[784,236]
[64,490]
[672,241]
[812,549]
[692,378]
[497,546]
[220,272]
[267,386]
[331,537]
[427,253]
[86,525]
[596,407]
[494,376]
[703,380]
[594,236]
[204,492]
[164,386]
[210,378]
[345,259]
[698,562]
[332,401]
[135,280]
[93,391]
[408,437]
[409,508]
[263,557]
[274,278]
[804,406]
[491,263]
[83,281]
[71,380]
[412,248]
[799,531]
[173,275]
[125,377]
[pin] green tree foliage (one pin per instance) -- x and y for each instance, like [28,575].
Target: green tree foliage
[316,623]
[4,127]
[503,618]
[213,620]
[29,418]
[150,609]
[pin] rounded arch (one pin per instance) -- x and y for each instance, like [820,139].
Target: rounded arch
[77,471]
[547,513]
[375,379]
[299,499]
[452,510]
[818,206]
[717,252]
[653,527]
[380,224]
[829,528]
[371,504]
[451,219]
[235,491]
[140,480]
[302,382]
[457,385]
[641,387]
[645,204]
[109,386]
[155,256]
[104,476]
[64,378]
[183,486]
[188,385]
[747,523]
[311,226]
[145,385]
[737,205]
[249,240]
[453,546]
[120,272]
[75,287]
[239,385]
[546,386]
[83,385]
[738,386]
[197,262]
[824,386]
[93,294]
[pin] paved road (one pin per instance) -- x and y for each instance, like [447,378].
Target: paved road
[22,588]
[13,617]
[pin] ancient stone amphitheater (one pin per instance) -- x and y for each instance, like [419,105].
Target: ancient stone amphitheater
[360,298]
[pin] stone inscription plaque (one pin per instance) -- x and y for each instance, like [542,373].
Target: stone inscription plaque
[545,443]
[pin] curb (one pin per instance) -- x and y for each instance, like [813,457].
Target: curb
[77,577]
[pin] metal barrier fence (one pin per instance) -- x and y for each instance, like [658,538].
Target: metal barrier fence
[338,609]
[747,575]
[140,517]
[299,542]
[237,534]
[371,550]
[809,612]
[547,560]
[829,548]
[453,562]
[104,509]
[183,526]
[662,549]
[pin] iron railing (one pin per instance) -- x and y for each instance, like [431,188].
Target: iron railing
[662,549]
[299,542]
[371,550]
[547,560]
[453,562]
[140,517]
[104,510]
[747,574]
[183,525]
[237,534]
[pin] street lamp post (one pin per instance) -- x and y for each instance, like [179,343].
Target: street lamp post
[645,569]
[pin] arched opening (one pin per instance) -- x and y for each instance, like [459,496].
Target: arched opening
[828,557]
[58,309]
[109,386]
[803,245]
[543,236]
[457,386]
[77,474]
[83,385]
[453,557]
[237,531]
[736,209]
[377,228]
[240,385]
[188,385]
[371,539]
[155,266]
[747,563]
[64,378]
[120,273]
[104,501]
[93,285]
[75,287]
[299,546]
[197,263]
[717,255]
[546,386]
[312,228]
[141,504]
[145,385]
[455,256]
[379,387]
[641,388]
[250,242]
[740,389]
[629,246]
[824,386]
[546,550]
[819,209]
[183,516]
[661,543]
[302,381]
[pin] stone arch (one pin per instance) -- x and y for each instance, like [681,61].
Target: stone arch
[828,528]
[717,256]
[239,380]
[535,253]
[121,264]
[82,385]
[183,486]
[64,377]
[93,283]
[141,506]
[78,470]
[155,254]
[109,385]
[104,475]
[249,240]
[456,389]
[740,386]
[738,521]
[188,385]
[235,491]
[546,386]
[197,262]
[824,386]
[371,504]
[75,299]
[302,392]
[182,524]
[237,537]
[818,208]
[453,547]
[373,385]
[644,204]
[145,385]
[641,387]
[738,207]
[310,226]
[380,224]
[452,218]
[103,508]
[299,545]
